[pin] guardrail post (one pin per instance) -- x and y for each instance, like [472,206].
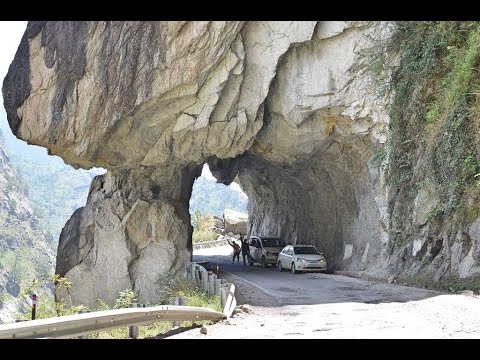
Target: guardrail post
[218,283]
[176,301]
[231,302]
[223,296]
[197,277]
[226,289]
[133,329]
[34,306]
[83,312]
[205,281]
[192,272]
[211,283]
[185,273]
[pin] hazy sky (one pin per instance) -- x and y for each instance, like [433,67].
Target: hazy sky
[11,33]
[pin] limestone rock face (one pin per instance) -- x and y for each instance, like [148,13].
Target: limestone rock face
[235,222]
[129,234]
[144,93]
[287,109]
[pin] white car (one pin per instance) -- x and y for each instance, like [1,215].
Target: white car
[301,258]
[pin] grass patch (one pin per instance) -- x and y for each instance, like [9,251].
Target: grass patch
[380,159]
[433,112]
[447,285]
[465,284]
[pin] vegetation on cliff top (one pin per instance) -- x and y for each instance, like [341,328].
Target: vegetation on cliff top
[433,136]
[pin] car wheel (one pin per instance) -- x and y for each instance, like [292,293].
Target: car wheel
[264,262]
[294,271]
[279,266]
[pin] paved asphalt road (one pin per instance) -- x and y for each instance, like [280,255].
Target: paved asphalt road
[309,288]
[334,306]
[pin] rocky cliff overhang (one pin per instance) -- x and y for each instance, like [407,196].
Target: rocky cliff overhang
[284,106]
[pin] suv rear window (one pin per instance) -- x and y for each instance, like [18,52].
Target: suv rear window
[273,243]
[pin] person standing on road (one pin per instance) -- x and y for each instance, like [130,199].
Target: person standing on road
[246,251]
[236,251]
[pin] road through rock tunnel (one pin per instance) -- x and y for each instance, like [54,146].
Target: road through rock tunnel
[280,106]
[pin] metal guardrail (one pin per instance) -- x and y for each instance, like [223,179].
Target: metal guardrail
[87,323]
[209,283]
[83,324]
[205,243]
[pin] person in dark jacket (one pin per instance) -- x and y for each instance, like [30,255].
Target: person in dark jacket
[246,251]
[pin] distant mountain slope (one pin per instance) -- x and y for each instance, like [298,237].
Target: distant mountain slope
[212,198]
[25,253]
[56,189]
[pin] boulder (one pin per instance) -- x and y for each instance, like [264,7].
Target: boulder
[235,222]
[392,280]
[218,223]
[219,231]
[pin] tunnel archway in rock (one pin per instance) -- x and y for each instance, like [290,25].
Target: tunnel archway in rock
[208,202]
[282,106]
[327,199]
[210,197]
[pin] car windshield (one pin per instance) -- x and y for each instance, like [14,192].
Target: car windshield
[306,250]
[273,243]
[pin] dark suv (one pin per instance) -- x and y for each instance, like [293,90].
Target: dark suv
[264,249]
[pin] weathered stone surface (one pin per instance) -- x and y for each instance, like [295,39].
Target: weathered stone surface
[284,108]
[235,222]
[128,236]
[176,87]
[218,223]
[424,205]
[219,231]
[392,280]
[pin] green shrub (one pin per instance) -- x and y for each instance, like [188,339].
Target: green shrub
[125,299]
[201,228]
[434,212]
[203,235]
[433,112]
[380,158]
[470,165]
